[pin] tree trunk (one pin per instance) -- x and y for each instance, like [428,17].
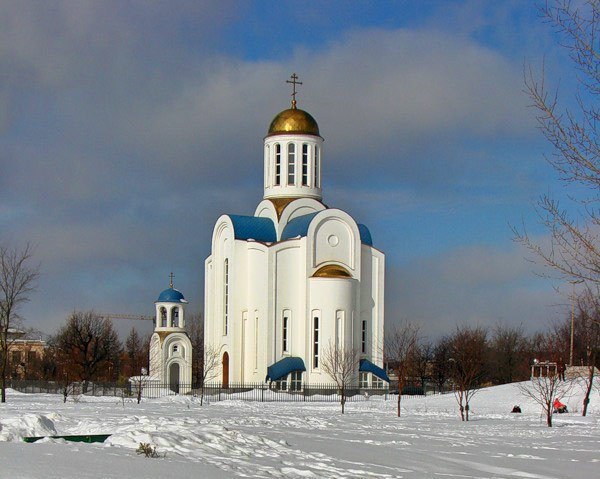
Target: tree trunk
[549,414]
[467,412]
[399,400]
[586,399]
[343,399]
[3,372]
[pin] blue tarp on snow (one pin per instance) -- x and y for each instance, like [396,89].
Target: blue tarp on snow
[284,367]
[368,367]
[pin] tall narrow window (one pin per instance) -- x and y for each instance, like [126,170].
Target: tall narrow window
[316,342]
[339,328]
[175,317]
[291,163]
[304,164]
[317,179]
[277,164]
[226,296]
[255,340]
[268,166]
[163,317]
[284,333]
[363,337]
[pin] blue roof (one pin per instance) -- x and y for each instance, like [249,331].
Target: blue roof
[252,227]
[284,367]
[365,235]
[368,367]
[299,227]
[171,295]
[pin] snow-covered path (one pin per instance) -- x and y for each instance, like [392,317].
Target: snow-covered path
[294,440]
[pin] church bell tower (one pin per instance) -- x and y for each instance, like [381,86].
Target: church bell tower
[292,150]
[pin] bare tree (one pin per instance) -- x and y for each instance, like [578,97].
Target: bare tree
[90,342]
[210,367]
[440,367]
[573,252]
[548,386]
[194,325]
[588,320]
[400,354]
[136,352]
[341,365]
[423,363]
[17,279]
[467,364]
[509,354]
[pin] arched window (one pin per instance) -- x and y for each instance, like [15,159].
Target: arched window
[339,328]
[317,179]
[255,340]
[315,339]
[175,317]
[226,296]
[277,164]
[267,166]
[163,317]
[291,163]
[304,164]
[363,337]
[285,331]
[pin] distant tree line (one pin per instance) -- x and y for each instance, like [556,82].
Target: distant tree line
[473,356]
[87,348]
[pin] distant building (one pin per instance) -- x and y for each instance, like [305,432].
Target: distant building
[297,276]
[170,345]
[25,354]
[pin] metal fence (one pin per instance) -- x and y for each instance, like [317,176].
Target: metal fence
[261,392]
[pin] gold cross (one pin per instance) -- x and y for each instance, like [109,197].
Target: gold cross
[171,281]
[294,82]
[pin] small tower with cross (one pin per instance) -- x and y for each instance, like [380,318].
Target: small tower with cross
[293,152]
[170,345]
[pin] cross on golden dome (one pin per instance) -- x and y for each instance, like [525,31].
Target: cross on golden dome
[294,82]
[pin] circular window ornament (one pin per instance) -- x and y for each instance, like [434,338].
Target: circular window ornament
[333,240]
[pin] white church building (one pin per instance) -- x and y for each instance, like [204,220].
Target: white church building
[297,276]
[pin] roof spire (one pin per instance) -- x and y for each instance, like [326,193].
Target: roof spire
[171,276]
[294,82]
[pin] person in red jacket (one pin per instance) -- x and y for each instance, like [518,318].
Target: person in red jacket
[559,407]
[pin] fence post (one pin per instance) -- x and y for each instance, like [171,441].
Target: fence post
[262,393]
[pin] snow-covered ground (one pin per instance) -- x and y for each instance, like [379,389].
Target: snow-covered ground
[299,440]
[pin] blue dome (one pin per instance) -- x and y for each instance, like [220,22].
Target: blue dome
[171,295]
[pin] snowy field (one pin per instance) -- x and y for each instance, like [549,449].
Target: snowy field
[300,440]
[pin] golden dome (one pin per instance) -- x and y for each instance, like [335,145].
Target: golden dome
[293,120]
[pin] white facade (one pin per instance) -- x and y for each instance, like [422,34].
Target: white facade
[170,345]
[297,276]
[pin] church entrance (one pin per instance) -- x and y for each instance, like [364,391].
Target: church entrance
[174,377]
[225,370]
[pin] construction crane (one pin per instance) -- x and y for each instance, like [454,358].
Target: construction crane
[138,317]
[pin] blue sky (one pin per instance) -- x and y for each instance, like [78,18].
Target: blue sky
[127,128]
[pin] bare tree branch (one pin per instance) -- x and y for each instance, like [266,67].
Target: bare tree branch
[17,281]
